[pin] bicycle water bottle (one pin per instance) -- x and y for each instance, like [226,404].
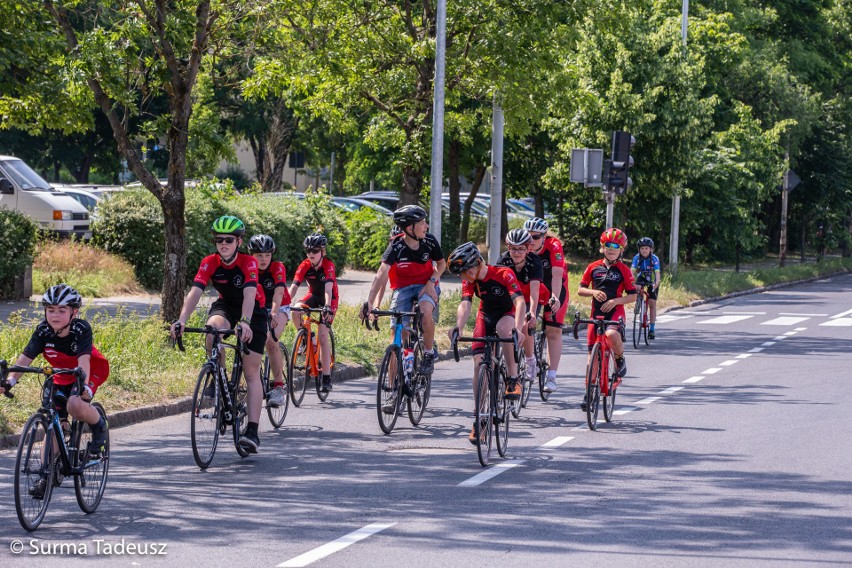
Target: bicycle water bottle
[408,361]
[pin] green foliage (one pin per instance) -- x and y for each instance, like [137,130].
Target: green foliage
[18,236]
[368,232]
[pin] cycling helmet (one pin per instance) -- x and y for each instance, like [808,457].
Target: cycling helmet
[62,295]
[261,243]
[228,225]
[518,237]
[395,232]
[616,236]
[464,257]
[645,242]
[536,225]
[408,215]
[316,240]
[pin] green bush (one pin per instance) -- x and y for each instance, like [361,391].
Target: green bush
[369,233]
[18,236]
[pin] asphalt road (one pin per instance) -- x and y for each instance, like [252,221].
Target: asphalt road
[730,448]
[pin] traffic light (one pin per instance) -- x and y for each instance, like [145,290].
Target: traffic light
[618,179]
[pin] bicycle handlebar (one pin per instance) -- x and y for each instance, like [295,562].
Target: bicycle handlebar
[513,340]
[47,370]
[394,314]
[597,322]
[210,330]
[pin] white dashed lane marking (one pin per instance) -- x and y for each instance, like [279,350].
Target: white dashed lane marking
[556,442]
[841,322]
[691,380]
[743,356]
[335,546]
[711,371]
[649,400]
[721,320]
[728,363]
[494,471]
[784,321]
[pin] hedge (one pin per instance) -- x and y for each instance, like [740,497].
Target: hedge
[18,236]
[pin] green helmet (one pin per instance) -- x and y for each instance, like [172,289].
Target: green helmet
[228,225]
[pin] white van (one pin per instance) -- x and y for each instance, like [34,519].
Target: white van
[21,189]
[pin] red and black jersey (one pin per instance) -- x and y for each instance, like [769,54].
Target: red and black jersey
[410,266]
[230,280]
[64,352]
[497,291]
[551,256]
[317,277]
[615,280]
[532,270]
[275,276]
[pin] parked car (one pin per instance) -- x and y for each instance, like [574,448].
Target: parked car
[355,203]
[86,198]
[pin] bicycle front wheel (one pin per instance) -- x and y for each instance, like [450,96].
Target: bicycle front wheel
[522,375]
[542,361]
[299,368]
[420,385]
[277,414]
[609,376]
[207,416]
[89,484]
[501,420]
[331,342]
[646,320]
[34,471]
[389,389]
[483,415]
[638,313]
[593,386]
[239,410]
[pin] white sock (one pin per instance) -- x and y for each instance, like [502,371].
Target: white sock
[551,375]
[530,361]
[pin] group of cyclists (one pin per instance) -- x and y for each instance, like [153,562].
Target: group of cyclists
[529,281]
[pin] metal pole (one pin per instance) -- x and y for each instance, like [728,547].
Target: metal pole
[675,235]
[609,196]
[331,176]
[784,194]
[495,213]
[438,121]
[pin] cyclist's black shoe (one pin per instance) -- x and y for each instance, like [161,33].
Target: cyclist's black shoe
[427,365]
[621,366]
[651,334]
[250,442]
[513,389]
[95,450]
[37,490]
[326,384]
[584,406]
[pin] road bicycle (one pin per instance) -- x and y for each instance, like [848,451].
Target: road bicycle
[48,453]
[601,377]
[641,314]
[276,414]
[525,382]
[305,362]
[400,380]
[218,401]
[491,407]
[542,360]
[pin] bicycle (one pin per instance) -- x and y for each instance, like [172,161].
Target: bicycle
[404,384]
[601,364]
[542,360]
[218,401]
[305,362]
[525,382]
[47,453]
[641,316]
[276,414]
[491,408]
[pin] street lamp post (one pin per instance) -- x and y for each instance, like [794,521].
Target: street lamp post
[437,182]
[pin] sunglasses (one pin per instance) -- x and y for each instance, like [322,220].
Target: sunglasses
[226,240]
[312,251]
[614,246]
[537,237]
[517,250]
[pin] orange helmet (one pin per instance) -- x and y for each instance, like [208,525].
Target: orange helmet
[613,235]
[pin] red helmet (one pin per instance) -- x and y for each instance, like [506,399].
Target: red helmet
[616,236]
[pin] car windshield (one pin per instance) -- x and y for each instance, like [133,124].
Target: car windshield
[24,176]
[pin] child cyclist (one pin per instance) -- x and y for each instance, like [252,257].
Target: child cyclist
[607,281]
[501,309]
[65,341]
[239,306]
[272,277]
[321,277]
[646,271]
[529,272]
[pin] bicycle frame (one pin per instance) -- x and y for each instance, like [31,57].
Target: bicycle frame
[226,385]
[601,325]
[312,353]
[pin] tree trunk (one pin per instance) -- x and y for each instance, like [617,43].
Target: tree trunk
[454,217]
[412,184]
[474,189]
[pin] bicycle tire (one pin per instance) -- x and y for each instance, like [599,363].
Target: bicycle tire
[638,313]
[609,399]
[522,373]
[89,485]
[388,390]
[299,368]
[419,385]
[277,414]
[502,414]
[541,361]
[483,415]
[207,416]
[593,387]
[321,394]
[239,410]
[34,464]
[646,318]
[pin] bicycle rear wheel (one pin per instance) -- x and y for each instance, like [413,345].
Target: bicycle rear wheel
[609,399]
[34,471]
[331,341]
[388,389]
[541,360]
[593,386]
[299,368]
[277,414]
[522,373]
[483,416]
[646,319]
[207,416]
[89,485]
[638,313]
[420,384]
[239,399]
[503,414]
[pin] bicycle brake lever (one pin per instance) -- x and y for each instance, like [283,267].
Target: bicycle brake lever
[375,324]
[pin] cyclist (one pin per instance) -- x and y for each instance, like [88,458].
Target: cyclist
[606,281]
[646,271]
[549,250]
[529,272]
[272,277]
[320,274]
[413,262]
[500,299]
[65,341]
[239,306]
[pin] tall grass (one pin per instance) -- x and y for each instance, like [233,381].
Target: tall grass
[92,271]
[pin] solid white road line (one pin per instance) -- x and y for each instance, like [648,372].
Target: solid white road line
[784,321]
[721,320]
[796,314]
[842,314]
[335,546]
[841,322]
[556,442]
[494,471]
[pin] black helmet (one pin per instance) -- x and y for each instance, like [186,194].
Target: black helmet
[645,242]
[261,243]
[316,240]
[517,237]
[408,215]
[62,295]
[464,257]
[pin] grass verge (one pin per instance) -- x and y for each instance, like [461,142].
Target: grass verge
[92,271]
